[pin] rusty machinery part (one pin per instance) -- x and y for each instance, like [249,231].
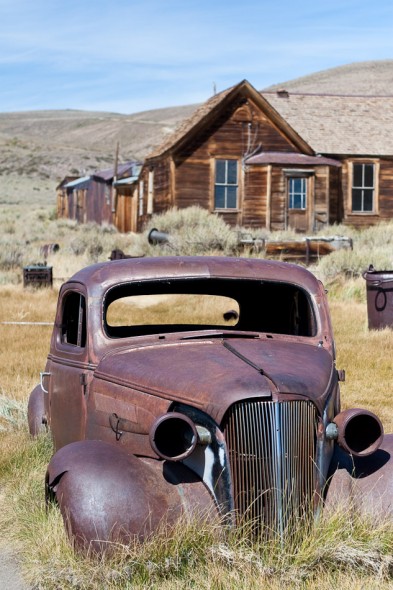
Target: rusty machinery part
[106,495]
[36,411]
[173,436]
[157,237]
[358,432]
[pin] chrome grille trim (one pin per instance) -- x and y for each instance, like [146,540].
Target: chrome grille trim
[271,447]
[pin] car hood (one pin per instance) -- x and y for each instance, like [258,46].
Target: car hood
[212,374]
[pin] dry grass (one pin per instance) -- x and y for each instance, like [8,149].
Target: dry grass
[367,357]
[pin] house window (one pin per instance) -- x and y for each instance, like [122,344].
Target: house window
[297,192]
[363,187]
[226,184]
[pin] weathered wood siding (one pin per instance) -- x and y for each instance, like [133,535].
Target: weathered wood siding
[193,183]
[386,189]
[335,196]
[278,215]
[255,198]
[98,202]
[321,198]
[161,186]
[125,214]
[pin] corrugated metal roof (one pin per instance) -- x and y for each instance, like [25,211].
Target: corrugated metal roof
[130,168]
[291,158]
[79,183]
[123,181]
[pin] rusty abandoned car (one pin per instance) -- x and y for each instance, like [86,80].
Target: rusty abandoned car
[183,384]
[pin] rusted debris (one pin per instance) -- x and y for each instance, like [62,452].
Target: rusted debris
[47,249]
[227,402]
[306,249]
[157,237]
[37,275]
[118,255]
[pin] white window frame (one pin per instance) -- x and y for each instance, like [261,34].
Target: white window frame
[292,193]
[150,193]
[226,184]
[363,187]
[140,198]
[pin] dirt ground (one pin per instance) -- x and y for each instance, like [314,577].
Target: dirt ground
[10,575]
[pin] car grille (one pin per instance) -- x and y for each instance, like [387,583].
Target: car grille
[271,449]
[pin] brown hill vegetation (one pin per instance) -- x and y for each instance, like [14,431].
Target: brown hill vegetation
[366,78]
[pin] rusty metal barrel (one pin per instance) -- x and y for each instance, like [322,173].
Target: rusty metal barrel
[379,285]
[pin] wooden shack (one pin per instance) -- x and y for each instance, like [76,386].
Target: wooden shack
[238,158]
[102,197]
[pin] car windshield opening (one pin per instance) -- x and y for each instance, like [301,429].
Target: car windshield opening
[153,307]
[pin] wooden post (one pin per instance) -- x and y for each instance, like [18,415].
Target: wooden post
[269,197]
[114,190]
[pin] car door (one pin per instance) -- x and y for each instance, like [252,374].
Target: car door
[68,368]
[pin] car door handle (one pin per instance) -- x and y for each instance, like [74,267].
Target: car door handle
[44,374]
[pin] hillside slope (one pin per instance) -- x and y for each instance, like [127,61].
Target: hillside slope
[367,78]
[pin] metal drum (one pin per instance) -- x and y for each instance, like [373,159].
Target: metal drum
[379,285]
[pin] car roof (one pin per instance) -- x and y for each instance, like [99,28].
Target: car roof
[98,278]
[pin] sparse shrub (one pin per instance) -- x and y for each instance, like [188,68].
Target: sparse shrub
[11,254]
[193,231]
[352,263]
[78,246]
[9,228]
[95,250]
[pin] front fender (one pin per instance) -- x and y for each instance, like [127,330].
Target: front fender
[106,495]
[365,483]
[36,411]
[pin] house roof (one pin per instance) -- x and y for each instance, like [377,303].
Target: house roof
[208,110]
[291,159]
[331,124]
[79,183]
[65,181]
[127,169]
[128,180]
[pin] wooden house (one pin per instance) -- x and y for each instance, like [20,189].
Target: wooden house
[237,157]
[277,160]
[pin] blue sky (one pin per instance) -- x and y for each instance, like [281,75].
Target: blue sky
[128,56]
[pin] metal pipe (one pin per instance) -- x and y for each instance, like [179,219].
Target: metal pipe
[157,237]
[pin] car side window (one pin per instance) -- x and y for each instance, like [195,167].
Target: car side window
[73,325]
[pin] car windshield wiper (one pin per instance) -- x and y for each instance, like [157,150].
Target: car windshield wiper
[221,335]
